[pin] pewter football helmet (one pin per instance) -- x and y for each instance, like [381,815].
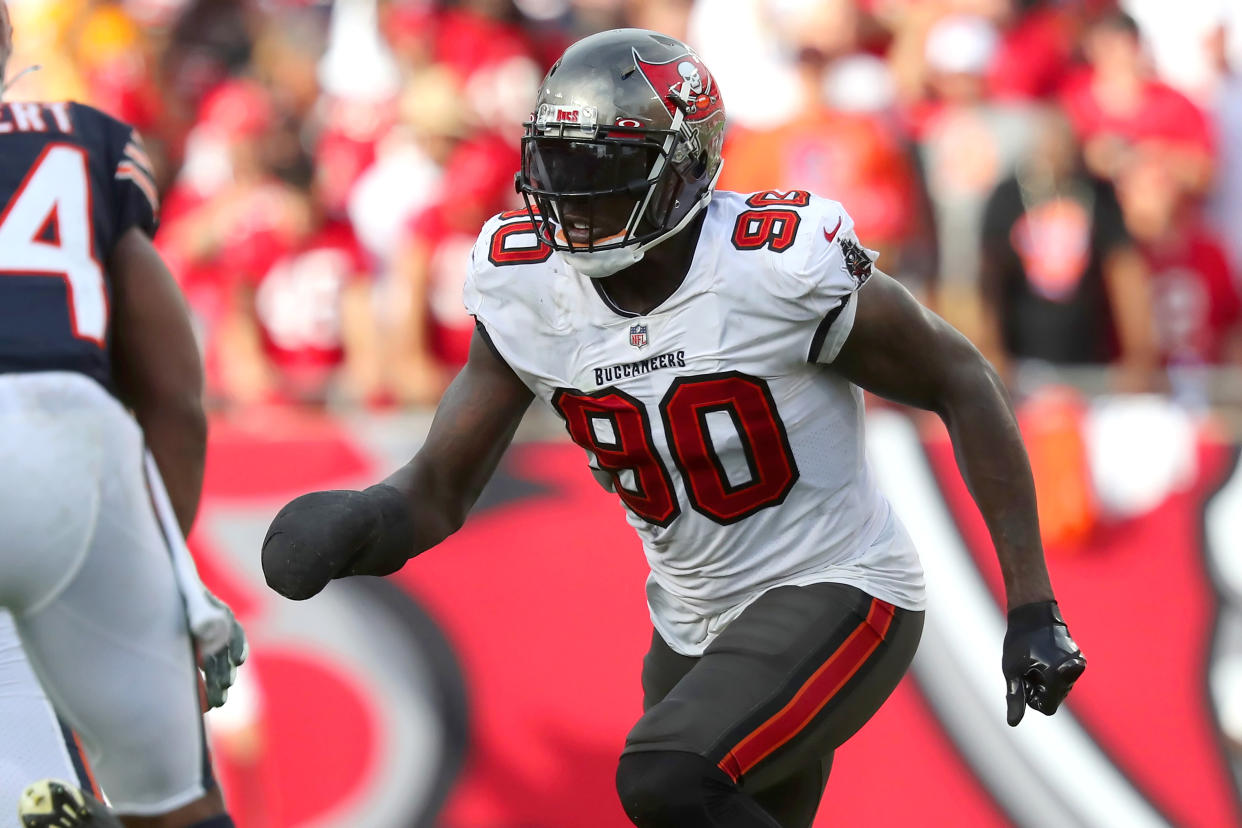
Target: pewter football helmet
[623,148]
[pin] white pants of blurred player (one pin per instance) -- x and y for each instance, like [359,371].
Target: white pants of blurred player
[34,744]
[85,571]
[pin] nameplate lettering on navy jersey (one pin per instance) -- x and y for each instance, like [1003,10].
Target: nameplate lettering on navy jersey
[673,359]
[35,117]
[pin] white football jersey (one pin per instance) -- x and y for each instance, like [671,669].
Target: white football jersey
[739,458]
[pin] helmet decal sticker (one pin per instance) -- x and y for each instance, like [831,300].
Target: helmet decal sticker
[683,83]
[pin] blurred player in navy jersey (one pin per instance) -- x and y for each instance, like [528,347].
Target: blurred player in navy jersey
[708,350]
[102,442]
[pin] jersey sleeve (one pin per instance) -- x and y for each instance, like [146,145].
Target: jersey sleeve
[125,193]
[820,277]
[477,275]
[135,198]
[508,293]
[484,292]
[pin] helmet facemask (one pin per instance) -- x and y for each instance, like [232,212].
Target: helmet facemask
[593,189]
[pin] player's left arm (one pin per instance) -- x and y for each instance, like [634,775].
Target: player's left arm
[155,357]
[159,376]
[159,373]
[898,349]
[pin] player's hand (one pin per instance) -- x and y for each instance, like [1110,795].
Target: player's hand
[1041,662]
[220,667]
[325,535]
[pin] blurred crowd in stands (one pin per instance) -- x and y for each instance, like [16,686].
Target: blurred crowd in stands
[1061,179]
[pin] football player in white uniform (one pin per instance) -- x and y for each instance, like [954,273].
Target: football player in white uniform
[708,350]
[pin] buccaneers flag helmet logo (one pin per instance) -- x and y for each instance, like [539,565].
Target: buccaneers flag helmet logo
[683,83]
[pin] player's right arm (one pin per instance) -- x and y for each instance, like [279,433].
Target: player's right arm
[325,535]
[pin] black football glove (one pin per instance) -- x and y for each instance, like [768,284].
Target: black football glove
[325,535]
[1041,662]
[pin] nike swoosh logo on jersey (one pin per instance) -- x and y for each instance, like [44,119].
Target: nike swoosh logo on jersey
[833,234]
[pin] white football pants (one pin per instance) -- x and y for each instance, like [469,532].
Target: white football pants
[34,744]
[86,572]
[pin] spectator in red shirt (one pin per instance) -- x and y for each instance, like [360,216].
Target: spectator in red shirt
[1198,311]
[1037,42]
[274,282]
[1116,107]
[477,34]
[409,163]
[346,146]
[224,209]
[304,322]
[433,331]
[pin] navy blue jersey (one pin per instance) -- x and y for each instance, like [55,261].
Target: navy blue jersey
[73,180]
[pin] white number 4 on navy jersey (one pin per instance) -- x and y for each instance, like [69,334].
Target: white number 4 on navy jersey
[46,230]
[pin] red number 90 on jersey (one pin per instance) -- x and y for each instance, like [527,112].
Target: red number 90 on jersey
[616,428]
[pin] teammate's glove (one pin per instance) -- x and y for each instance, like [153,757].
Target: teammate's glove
[325,535]
[220,666]
[1041,662]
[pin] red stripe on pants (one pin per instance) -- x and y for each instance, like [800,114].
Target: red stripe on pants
[92,785]
[811,697]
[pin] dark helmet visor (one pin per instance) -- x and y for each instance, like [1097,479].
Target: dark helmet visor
[599,193]
[561,167]
[589,189]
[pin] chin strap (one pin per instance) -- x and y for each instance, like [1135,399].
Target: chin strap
[603,263]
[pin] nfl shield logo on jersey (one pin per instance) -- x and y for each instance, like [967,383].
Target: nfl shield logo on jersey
[638,336]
